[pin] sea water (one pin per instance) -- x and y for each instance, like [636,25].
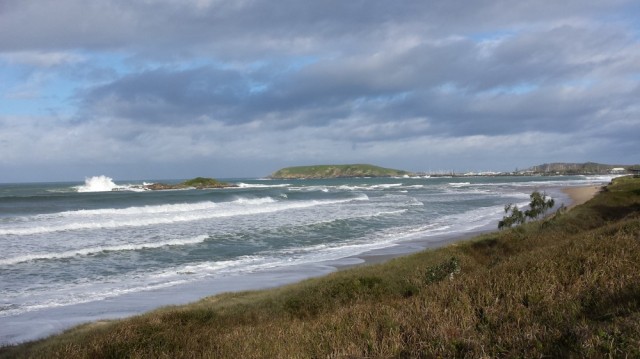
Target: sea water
[72,252]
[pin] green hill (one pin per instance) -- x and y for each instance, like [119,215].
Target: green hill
[336,171]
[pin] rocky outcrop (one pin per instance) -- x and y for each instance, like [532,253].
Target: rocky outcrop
[197,183]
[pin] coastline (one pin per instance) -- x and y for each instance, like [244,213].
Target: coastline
[580,195]
[59,319]
[511,279]
[576,195]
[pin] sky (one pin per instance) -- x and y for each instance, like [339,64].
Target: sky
[163,89]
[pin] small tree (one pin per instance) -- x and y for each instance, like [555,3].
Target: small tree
[538,206]
[516,217]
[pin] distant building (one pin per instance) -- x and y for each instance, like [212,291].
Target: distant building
[617,170]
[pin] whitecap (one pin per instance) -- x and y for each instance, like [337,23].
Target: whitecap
[101,249]
[162,214]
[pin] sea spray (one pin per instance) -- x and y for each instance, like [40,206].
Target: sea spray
[97,184]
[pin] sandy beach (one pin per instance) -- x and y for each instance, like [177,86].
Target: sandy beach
[580,195]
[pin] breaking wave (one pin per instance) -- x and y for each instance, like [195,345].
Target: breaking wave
[100,249]
[160,214]
[97,184]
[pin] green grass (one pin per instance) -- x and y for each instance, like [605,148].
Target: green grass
[568,286]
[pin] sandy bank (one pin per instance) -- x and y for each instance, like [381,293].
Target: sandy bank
[580,195]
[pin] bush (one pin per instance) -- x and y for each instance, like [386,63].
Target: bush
[538,206]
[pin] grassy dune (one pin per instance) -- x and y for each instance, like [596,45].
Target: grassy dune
[565,287]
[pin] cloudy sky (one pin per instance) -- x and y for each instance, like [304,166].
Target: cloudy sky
[150,89]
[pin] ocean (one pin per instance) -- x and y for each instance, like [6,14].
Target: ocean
[104,248]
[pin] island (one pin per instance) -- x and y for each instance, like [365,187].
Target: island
[336,171]
[197,183]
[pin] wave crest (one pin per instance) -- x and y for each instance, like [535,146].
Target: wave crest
[161,214]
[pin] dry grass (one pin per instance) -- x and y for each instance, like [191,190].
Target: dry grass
[565,287]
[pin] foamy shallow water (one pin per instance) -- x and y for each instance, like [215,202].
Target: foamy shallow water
[78,252]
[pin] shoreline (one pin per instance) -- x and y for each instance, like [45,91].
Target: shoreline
[581,194]
[576,195]
[58,319]
[479,290]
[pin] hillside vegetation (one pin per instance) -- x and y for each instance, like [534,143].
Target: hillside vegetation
[568,286]
[336,171]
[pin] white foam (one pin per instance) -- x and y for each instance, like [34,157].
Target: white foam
[386,185]
[71,297]
[105,184]
[256,185]
[97,184]
[162,214]
[141,210]
[459,184]
[310,189]
[383,213]
[100,249]
[353,188]
[560,182]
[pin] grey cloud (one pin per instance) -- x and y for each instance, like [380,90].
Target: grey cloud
[171,96]
[239,28]
[388,85]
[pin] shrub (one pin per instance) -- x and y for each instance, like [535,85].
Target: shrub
[538,206]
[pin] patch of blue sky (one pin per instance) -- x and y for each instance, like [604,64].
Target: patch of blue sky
[51,99]
[629,17]
[12,74]
[257,87]
[123,63]
[114,61]
[16,107]
[299,62]
[14,100]
[129,65]
[23,96]
[58,95]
